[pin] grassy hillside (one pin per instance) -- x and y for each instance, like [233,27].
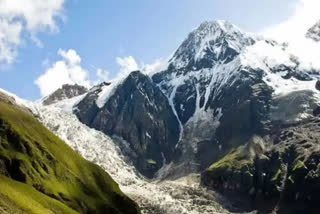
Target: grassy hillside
[39,173]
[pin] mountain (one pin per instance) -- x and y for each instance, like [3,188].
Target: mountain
[222,99]
[153,196]
[65,92]
[314,32]
[221,87]
[223,107]
[39,173]
[139,113]
[211,42]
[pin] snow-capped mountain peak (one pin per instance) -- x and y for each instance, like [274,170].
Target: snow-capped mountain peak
[211,42]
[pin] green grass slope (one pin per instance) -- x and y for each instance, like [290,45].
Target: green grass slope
[39,173]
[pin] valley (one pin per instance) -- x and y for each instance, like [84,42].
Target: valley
[153,196]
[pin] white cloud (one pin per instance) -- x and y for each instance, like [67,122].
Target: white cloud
[127,65]
[70,56]
[294,29]
[9,40]
[68,70]
[102,76]
[306,14]
[25,16]
[156,66]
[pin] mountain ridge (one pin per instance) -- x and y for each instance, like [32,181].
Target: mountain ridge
[217,74]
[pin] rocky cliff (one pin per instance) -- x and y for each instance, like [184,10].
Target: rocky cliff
[138,113]
[65,92]
[281,169]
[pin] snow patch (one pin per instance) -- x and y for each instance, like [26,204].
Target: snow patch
[283,86]
[108,91]
[171,103]
[266,55]
[67,105]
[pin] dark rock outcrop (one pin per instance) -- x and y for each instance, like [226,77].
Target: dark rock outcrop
[318,85]
[139,113]
[87,109]
[65,92]
[245,107]
[282,172]
[314,32]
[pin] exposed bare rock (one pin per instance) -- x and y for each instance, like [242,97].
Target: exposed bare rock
[65,92]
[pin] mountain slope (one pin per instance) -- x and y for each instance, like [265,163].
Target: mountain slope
[226,85]
[221,87]
[282,169]
[153,196]
[19,198]
[139,113]
[48,171]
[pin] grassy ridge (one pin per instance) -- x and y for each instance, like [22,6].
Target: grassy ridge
[31,154]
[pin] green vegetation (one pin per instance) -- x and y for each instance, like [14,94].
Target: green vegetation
[234,161]
[276,175]
[18,198]
[52,177]
[298,164]
[240,159]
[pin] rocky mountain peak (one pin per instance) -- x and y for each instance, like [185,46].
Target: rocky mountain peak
[210,42]
[135,111]
[65,92]
[314,32]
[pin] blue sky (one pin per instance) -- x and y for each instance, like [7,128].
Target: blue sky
[100,31]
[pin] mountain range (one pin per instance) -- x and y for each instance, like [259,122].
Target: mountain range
[234,112]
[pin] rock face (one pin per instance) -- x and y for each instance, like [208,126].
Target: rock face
[139,113]
[65,92]
[282,169]
[318,85]
[207,85]
[314,32]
